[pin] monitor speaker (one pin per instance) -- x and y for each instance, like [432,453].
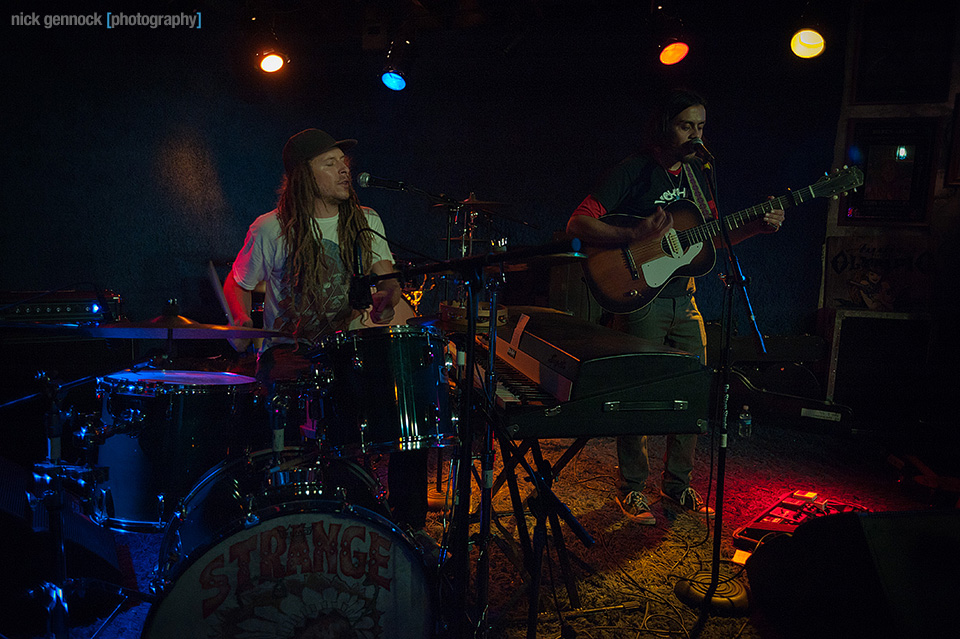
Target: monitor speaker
[861,575]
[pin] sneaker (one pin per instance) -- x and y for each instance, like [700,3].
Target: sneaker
[634,505]
[690,500]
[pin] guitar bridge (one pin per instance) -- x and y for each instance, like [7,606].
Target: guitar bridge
[631,264]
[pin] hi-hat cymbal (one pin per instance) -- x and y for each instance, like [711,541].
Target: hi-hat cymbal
[173,327]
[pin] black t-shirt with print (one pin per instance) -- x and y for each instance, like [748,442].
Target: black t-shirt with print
[637,186]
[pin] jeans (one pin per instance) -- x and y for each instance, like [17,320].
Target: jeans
[675,322]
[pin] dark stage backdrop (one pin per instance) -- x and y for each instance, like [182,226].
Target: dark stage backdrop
[133,156]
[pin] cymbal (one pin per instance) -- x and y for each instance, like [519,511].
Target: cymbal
[460,238]
[542,261]
[173,327]
[471,204]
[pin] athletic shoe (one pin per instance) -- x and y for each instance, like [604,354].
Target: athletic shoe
[691,501]
[634,505]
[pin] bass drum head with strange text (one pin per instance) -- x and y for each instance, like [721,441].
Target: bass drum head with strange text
[332,571]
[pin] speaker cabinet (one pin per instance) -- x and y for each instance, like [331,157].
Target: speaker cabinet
[861,575]
[878,366]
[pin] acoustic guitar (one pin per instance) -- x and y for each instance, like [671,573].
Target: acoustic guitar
[626,278]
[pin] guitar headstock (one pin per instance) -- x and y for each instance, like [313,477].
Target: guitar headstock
[840,182]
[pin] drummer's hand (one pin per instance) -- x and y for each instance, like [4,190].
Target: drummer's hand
[382,311]
[241,344]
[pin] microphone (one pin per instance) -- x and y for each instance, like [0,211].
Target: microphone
[701,149]
[366,180]
[359,295]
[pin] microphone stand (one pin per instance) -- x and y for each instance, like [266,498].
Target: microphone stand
[697,590]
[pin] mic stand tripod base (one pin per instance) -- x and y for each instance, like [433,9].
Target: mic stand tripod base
[729,598]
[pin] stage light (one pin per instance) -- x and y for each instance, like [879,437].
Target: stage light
[668,34]
[393,79]
[272,61]
[673,51]
[807,43]
[394,75]
[270,57]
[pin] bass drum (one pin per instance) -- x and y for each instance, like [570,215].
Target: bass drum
[268,547]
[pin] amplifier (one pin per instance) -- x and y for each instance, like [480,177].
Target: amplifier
[57,307]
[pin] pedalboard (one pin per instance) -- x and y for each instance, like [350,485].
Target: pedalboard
[786,515]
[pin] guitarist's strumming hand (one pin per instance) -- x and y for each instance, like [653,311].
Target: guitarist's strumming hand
[652,227]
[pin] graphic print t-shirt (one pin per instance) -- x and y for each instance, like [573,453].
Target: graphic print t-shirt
[263,258]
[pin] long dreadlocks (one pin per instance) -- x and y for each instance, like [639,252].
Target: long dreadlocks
[307,265]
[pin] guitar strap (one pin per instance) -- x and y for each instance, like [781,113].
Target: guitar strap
[698,196]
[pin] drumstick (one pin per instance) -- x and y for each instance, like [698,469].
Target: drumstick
[218,287]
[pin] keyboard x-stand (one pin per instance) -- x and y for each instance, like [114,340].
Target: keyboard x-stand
[568,378]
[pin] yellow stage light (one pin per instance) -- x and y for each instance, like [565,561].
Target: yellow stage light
[807,43]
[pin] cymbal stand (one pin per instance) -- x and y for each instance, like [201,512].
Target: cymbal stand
[486,460]
[460,220]
[53,501]
[460,526]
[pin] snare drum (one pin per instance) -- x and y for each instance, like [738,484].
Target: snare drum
[268,549]
[389,390]
[164,430]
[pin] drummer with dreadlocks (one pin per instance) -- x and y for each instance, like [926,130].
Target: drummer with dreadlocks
[304,251]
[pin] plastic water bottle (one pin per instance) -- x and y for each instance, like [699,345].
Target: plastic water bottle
[745,422]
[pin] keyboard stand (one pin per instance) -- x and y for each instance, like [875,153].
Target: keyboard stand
[545,507]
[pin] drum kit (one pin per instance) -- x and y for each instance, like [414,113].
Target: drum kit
[255,524]
[262,531]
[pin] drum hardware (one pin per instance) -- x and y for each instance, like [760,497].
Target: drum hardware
[52,479]
[455,572]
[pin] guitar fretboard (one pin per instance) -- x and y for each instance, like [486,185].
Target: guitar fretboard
[711,229]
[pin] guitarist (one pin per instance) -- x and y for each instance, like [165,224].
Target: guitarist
[641,186]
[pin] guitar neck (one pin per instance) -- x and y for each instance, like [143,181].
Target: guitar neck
[740,218]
